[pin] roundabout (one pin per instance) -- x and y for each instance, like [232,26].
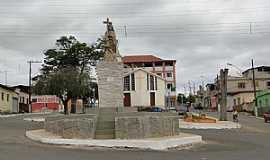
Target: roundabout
[163,143]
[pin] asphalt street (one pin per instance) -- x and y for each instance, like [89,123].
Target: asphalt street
[251,142]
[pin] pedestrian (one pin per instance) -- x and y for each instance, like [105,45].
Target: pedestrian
[235,115]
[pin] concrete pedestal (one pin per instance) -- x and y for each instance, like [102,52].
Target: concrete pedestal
[110,84]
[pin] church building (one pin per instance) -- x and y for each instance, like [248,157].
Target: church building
[143,89]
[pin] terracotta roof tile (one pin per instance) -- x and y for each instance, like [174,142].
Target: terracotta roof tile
[141,58]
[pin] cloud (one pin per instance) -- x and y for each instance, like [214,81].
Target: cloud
[201,35]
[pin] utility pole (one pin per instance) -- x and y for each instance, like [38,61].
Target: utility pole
[254,88]
[250,28]
[223,89]
[30,83]
[189,86]
[125,29]
[194,88]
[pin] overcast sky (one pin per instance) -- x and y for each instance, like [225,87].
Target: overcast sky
[202,35]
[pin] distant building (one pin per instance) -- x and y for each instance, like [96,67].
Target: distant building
[23,93]
[163,68]
[143,88]
[240,90]
[210,100]
[9,102]
[45,103]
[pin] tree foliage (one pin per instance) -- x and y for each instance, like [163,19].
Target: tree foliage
[181,98]
[70,52]
[191,99]
[66,68]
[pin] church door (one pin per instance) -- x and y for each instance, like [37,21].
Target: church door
[127,100]
[152,99]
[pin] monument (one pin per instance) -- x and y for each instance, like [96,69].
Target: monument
[110,72]
[111,121]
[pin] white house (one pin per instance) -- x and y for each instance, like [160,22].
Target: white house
[144,88]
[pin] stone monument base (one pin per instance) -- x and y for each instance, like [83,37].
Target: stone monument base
[110,84]
[113,123]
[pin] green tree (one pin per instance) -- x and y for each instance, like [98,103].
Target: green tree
[181,98]
[191,99]
[70,52]
[66,69]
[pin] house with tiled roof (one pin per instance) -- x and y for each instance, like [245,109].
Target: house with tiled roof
[8,100]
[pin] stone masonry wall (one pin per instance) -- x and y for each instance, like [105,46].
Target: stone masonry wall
[139,127]
[110,84]
[81,127]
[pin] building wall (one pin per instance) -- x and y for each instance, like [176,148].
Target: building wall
[245,95]
[241,99]
[45,102]
[261,84]
[244,98]
[263,99]
[23,98]
[258,74]
[24,102]
[162,69]
[6,106]
[141,96]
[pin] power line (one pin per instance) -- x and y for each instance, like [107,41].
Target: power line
[77,11]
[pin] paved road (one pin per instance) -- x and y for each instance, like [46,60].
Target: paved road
[250,142]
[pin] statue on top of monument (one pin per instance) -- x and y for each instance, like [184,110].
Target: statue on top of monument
[111,44]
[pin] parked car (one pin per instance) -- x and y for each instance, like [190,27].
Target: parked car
[182,109]
[150,109]
[266,116]
[172,109]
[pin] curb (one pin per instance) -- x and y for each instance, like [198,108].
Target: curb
[151,143]
[219,125]
[34,119]
[24,114]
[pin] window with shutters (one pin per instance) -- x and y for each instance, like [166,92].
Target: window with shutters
[147,81]
[156,83]
[169,74]
[133,81]
[268,84]
[241,85]
[127,83]
[152,83]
